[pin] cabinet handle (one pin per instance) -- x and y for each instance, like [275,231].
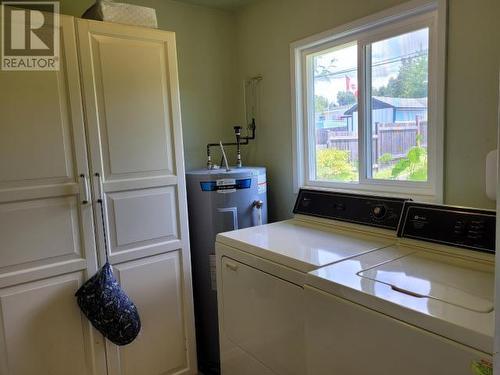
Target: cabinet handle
[100,190]
[232,266]
[85,189]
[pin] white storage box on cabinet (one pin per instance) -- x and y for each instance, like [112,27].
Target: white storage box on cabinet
[110,11]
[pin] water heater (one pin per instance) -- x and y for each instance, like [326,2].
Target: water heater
[219,200]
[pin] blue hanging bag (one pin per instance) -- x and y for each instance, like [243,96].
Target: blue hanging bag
[106,305]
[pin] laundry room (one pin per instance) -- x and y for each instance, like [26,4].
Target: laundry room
[249,187]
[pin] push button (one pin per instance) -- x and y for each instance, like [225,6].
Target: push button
[459,227]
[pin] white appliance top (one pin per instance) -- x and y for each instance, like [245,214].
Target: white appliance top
[434,276]
[328,227]
[443,289]
[304,245]
[447,295]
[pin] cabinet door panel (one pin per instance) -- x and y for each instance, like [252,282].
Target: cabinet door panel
[136,114]
[45,229]
[155,285]
[149,218]
[42,330]
[27,144]
[133,106]
[134,124]
[51,224]
[43,154]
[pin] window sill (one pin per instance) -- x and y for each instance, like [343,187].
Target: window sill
[418,193]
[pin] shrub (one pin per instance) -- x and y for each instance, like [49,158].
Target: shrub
[413,166]
[332,164]
[385,158]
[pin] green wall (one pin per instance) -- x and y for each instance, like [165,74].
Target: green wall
[219,49]
[207,69]
[472,98]
[265,30]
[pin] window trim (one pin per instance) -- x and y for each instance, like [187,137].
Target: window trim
[406,17]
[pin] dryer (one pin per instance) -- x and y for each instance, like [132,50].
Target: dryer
[261,272]
[424,306]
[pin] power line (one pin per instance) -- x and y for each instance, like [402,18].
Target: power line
[382,62]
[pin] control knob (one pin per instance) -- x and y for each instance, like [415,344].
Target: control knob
[379,211]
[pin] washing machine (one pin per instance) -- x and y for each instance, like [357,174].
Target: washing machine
[424,306]
[261,272]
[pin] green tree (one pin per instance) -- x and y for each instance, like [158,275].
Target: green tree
[411,81]
[320,103]
[345,98]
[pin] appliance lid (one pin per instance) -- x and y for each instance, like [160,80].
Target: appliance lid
[302,245]
[425,275]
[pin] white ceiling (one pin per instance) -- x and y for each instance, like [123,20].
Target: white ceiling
[221,4]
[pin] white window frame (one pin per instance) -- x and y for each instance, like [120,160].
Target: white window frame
[398,20]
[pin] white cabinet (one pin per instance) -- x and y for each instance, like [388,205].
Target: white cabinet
[47,246]
[51,242]
[132,104]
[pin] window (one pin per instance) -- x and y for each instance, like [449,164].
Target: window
[369,102]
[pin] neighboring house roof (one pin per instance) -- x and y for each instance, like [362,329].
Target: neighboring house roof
[336,111]
[379,102]
[403,102]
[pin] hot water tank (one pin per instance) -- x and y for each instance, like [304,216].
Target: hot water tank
[218,201]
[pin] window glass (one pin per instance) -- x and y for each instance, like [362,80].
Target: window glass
[335,90]
[367,106]
[399,90]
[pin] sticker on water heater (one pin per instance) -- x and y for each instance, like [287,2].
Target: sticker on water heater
[226,185]
[226,182]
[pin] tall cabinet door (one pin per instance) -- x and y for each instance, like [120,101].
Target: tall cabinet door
[47,247]
[134,124]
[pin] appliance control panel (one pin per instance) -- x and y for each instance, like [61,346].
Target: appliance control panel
[455,226]
[369,210]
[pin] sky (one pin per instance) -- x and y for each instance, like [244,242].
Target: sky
[341,62]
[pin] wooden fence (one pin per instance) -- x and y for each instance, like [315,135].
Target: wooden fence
[391,138]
